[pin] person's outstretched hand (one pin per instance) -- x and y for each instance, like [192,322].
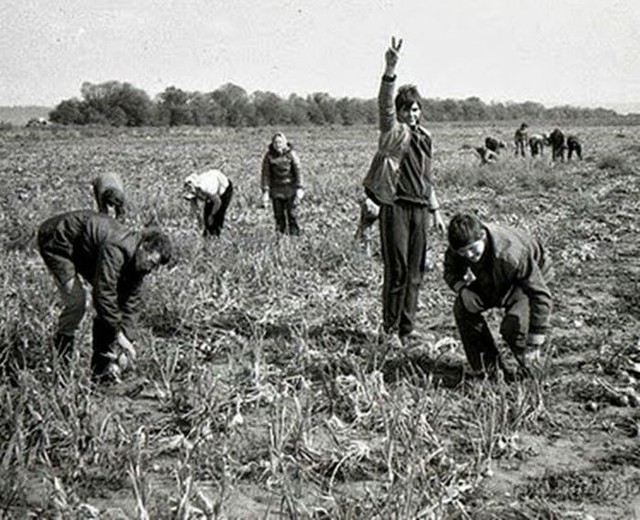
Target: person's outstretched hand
[393,54]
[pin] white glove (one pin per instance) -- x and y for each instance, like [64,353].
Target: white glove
[471,300]
[299,196]
[265,199]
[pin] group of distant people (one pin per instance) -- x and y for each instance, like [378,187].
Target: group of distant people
[486,265]
[571,145]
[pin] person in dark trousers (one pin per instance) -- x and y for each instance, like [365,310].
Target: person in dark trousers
[574,145]
[399,180]
[108,191]
[216,190]
[558,146]
[281,183]
[520,140]
[114,260]
[491,266]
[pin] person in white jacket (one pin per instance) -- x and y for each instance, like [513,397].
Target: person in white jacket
[215,189]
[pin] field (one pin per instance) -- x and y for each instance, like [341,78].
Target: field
[252,397]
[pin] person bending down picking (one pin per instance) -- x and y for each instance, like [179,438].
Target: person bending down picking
[109,194]
[399,180]
[114,260]
[492,266]
[215,189]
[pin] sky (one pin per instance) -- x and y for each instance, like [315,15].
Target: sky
[578,52]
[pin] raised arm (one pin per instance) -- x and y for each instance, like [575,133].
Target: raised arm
[387,111]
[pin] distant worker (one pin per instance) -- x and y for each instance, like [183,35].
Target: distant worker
[108,191]
[493,266]
[558,146]
[214,189]
[520,139]
[281,183]
[486,156]
[574,145]
[114,260]
[495,145]
[537,143]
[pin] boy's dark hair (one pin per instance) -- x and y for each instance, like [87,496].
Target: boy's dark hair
[464,229]
[407,95]
[156,240]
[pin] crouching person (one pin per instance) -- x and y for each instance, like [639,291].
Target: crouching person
[114,260]
[109,194]
[215,189]
[491,266]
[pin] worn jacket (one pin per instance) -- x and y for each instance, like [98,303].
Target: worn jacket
[103,252]
[205,185]
[281,173]
[512,259]
[381,180]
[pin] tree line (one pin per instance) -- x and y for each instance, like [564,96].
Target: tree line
[122,104]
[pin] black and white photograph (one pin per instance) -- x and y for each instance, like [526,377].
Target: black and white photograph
[320,259]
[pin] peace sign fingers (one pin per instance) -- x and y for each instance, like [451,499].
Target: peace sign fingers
[396,45]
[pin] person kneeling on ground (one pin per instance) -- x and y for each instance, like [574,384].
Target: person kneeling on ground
[215,189]
[114,260]
[491,266]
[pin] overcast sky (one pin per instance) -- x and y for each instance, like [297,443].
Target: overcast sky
[582,52]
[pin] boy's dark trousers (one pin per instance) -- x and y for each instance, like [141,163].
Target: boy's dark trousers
[286,215]
[213,223]
[403,236]
[477,340]
[103,347]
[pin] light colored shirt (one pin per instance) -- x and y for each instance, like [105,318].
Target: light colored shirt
[205,185]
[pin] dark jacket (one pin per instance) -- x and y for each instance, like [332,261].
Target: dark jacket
[281,173]
[108,182]
[512,259]
[103,252]
[381,181]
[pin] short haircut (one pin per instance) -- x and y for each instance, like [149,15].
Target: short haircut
[407,95]
[156,240]
[464,229]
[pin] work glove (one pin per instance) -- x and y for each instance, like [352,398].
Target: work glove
[265,199]
[471,300]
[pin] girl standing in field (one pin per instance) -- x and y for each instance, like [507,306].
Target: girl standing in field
[282,184]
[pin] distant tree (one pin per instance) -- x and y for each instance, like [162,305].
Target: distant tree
[68,112]
[236,104]
[172,108]
[118,104]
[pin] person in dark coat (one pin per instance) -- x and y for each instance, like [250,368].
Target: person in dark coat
[114,261]
[491,266]
[495,145]
[281,183]
[574,145]
[558,146]
[108,191]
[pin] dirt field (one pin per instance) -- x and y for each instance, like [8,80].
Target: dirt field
[251,396]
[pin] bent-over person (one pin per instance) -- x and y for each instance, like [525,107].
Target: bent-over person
[114,261]
[214,189]
[493,266]
[108,191]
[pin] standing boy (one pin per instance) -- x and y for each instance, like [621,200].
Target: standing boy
[215,190]
[114,260]
[400,182]
[492,266]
